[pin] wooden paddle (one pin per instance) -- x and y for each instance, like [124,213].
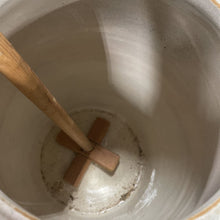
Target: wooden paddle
[20,74]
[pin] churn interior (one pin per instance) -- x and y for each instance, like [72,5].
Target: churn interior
[150,68]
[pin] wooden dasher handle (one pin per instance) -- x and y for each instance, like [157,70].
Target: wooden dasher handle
[13,67]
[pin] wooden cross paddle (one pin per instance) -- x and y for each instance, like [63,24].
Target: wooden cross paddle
[80,163]
[16,70]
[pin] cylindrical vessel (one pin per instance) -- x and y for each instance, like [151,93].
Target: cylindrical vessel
[154,64]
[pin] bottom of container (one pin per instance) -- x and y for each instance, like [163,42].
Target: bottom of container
[98,191]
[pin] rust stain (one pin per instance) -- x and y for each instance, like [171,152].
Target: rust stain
[126,195]
[216,3]
[205,210]
[25,214]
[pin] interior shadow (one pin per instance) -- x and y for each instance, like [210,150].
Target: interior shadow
[139,59]
[64,45]
[181,136]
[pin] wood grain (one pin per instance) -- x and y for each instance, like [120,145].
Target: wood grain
[80,163]
[101,156]
[77,169]
[98,131]
[16,70]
